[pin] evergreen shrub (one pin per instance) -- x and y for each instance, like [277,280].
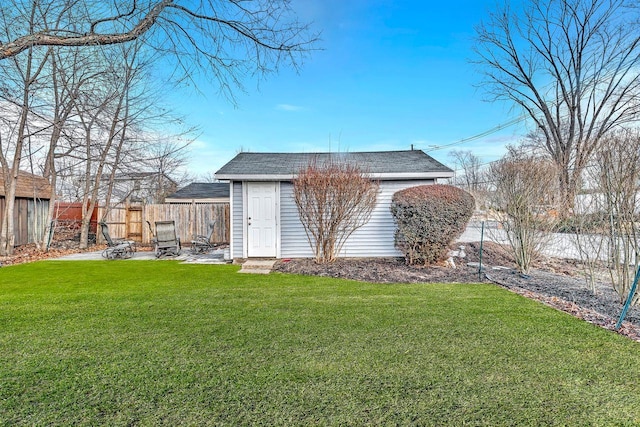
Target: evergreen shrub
[429,218]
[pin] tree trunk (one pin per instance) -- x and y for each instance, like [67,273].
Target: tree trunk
[567,188]
[7,235]
[86,223]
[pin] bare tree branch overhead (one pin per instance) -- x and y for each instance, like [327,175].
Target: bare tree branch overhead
[247,37]
[60,37]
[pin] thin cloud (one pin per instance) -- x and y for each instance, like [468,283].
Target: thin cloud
[289,107]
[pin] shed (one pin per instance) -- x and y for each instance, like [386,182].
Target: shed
[201,192]
[33,193]
[264,217]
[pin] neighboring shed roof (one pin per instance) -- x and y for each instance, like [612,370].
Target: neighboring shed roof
[380,164]
[29,186]
[202,190]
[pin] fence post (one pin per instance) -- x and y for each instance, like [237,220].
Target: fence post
[481,244]
[145,232]
[192,221]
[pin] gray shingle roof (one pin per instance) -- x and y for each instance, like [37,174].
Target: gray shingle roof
[389,164]
[202,190]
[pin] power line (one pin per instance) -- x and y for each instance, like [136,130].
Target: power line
[482,134]
[522,150]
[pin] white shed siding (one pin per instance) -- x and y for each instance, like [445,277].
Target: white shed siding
[293,239]
[375,239]
[236,220]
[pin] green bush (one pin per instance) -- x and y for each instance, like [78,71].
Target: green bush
[428,219]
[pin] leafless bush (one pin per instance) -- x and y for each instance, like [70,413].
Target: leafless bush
[334,200]
[588,225]
[524,198]
[617,175]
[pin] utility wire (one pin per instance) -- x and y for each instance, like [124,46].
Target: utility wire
[482,134]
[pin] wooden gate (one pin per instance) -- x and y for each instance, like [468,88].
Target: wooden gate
[133,223]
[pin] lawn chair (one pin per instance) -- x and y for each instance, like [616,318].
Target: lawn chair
[116,248]
[166,241]
[201,243]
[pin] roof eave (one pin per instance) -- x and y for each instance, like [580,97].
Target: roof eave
[197,200]
[381,176]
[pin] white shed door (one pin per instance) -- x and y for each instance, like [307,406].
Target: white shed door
[261,219]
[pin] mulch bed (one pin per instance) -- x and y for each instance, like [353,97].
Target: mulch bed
[30,253]
[554,282]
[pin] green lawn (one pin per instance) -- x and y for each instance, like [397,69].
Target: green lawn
[162,343]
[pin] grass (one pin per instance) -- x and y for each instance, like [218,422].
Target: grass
[162,343]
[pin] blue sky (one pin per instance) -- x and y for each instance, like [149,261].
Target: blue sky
[391,74]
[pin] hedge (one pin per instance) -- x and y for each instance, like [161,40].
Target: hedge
[429,218]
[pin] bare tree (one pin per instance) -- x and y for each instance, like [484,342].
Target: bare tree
[473,177]
[68,73]
[334,200]
[523,195]
[46,103]
[469,163]
[571,65]
[206,177]
[21,77]
[163,161]
[224,40]
[606,224]
[107,123]
[618,170]
[588,228]
[147,149]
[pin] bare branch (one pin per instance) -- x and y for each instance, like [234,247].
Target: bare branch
[333,200]
[48,38]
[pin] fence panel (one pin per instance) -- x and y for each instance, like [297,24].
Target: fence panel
[116,218]
[37,212]
[69,216]
[190,219]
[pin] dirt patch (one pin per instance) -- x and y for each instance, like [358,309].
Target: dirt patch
[555,282]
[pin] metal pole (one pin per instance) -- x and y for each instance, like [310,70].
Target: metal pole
[481,242]
[627,304]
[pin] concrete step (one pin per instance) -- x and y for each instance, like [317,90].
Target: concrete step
[255,266]
[254,271]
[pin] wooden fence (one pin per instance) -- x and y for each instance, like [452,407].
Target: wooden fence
[130,221]
[29,219]
[69,214]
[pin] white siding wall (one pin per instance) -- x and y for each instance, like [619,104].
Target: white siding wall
[236,220]
[375,239]
[293,239]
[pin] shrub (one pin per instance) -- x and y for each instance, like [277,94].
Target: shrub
[429,218]
[524,192]
[334,200]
